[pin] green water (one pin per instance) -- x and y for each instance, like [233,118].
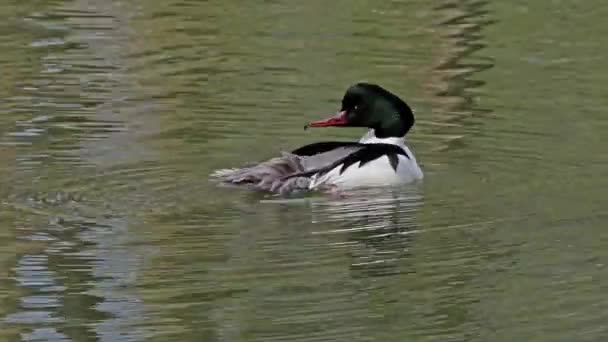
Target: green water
[113,113]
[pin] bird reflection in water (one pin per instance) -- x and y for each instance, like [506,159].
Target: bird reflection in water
[380,224]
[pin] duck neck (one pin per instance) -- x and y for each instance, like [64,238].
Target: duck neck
[371,138]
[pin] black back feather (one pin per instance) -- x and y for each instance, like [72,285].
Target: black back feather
[321,147]
[366,154]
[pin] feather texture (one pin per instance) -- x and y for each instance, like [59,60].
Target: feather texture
[320,164]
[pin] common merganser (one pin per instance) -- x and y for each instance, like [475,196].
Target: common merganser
[380,158]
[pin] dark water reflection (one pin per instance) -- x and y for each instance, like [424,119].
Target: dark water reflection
[464,32]
[112,114]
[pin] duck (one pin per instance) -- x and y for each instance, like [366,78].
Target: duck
[379,158]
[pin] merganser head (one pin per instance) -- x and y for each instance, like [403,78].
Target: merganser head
[369,105]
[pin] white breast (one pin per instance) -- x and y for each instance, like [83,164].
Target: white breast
[378,172]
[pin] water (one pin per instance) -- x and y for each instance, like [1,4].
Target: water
[112,114]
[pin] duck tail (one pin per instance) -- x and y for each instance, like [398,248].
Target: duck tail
[271,175]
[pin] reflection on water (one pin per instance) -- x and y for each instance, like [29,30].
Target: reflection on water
[74,274]
[114,113]
[468,41]
[463,30]
[378,224]
[287,268]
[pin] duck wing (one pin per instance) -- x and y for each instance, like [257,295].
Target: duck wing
[361,153]
[322,147]
[292,170]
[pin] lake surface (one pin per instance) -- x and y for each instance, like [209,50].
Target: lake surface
[113,113]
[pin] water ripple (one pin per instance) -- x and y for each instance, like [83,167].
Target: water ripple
[114,113]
